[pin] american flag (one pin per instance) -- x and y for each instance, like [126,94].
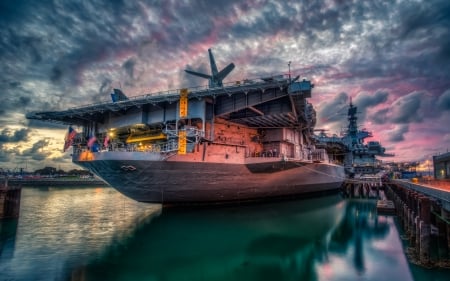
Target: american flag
[106,141]
[70,136]
[91,141]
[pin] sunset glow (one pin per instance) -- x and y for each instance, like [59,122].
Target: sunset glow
[391,58]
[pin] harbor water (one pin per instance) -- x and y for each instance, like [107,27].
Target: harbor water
[98,234]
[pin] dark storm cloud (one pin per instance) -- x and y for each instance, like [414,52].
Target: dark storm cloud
[5,154]
[395,41]
[335,109]
[129,67]
[444,101]
[364,101]
[380,116]
[414,107]
[80,34]
[418,18]
[13,99]
[59,54]
[56,74]
[397,135]
[406,109]
[55,41]
[10,136]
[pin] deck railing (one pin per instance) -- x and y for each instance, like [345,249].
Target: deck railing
[438,183]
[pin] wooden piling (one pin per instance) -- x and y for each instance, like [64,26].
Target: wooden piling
[9,200]
[364,187]
[426,224]
[425,230]
[444,238]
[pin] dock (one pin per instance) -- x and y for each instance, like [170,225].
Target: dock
[423,211]
[9,200]
[363,187]
[369,187]
[385,207]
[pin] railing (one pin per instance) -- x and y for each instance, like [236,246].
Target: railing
[190,132]
[193,136]
[160,147]
[250,83]
[319,155]
[441,184]
[266,153]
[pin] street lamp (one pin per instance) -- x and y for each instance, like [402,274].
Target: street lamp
[289,65]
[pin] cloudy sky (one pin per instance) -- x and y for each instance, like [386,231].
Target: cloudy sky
[391,57]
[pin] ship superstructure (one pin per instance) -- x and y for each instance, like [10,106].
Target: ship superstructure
[362,159]
[351,149]
[244,140]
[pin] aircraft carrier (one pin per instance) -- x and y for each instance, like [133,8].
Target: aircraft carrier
[244,140]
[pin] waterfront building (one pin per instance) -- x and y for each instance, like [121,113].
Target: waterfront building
[441,164]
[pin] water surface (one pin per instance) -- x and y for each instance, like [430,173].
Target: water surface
[98,234]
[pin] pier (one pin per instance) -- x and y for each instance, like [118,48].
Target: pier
[9,200]
[423,210]
[370,187]
[363,187]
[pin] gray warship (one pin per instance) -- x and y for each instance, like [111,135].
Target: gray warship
[358,157]
[225,142]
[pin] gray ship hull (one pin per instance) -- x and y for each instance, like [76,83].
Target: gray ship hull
[173,182]
[244,140]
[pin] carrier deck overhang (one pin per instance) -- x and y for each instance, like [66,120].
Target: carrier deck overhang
[237,102]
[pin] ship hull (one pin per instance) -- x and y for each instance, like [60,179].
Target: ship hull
[176,182]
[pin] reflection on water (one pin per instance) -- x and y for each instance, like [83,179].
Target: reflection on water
[314,239]
[8,229]
[60,229]
[97,234]
[260,242]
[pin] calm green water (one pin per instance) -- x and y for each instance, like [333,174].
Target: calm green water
[98,234]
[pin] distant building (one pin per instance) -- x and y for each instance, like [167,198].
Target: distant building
[441,164]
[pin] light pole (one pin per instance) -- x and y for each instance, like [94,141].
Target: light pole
[289,65]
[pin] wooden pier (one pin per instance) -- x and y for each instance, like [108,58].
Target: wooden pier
[369,187]
[363,187]
[9,200]
[423,211]
[424,214]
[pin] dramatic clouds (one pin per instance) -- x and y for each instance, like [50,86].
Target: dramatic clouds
[391,57]
[444,101]
[397,134]
[36,152]
[7,135]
